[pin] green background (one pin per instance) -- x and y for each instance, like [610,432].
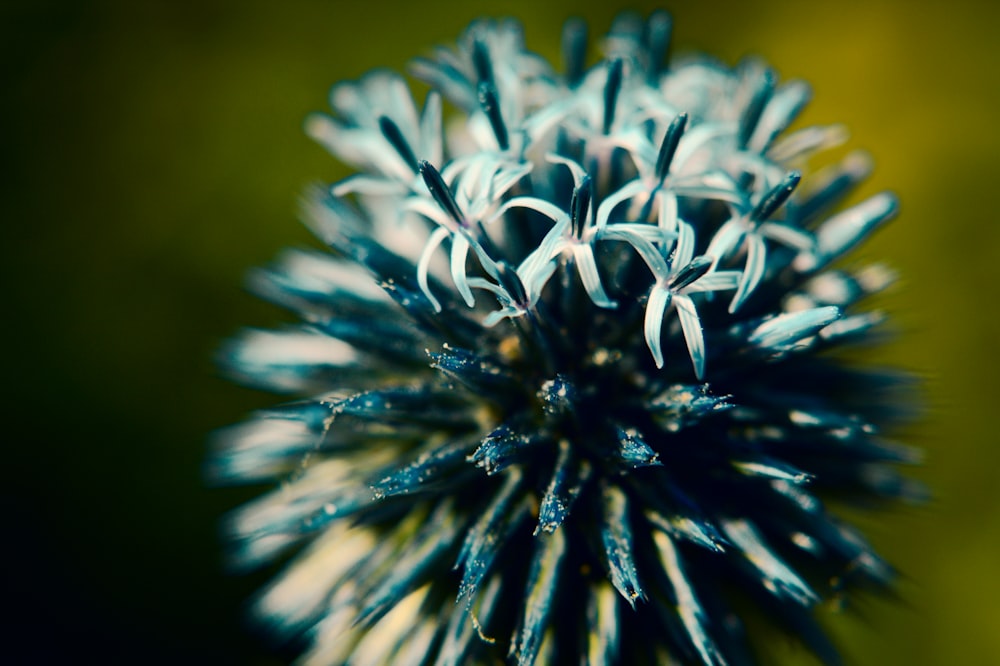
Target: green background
[152,152]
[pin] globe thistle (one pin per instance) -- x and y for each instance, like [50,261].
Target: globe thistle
[566,387]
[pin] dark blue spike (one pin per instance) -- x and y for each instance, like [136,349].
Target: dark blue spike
[751,115]
[490,104]
[574,50]
[379,337]
[492,529]
[846,229]
[471,369]
[558,396]
[633,449]
[579,206]
[832,191]
[441,192]
[658,30]
[347,504]
[783,332]
[396,139]
[669,146]
[772,201]
[427,469]
[448,324]
[343,228]
[691,273]
[616,537]
[413,565]
[611,90]
[540,593]
[797,623]
[670,510]
[690,526]
[499,449]
[568,479]
[313,413]
[420,404]
[765,467]
[511,281]
[682,405]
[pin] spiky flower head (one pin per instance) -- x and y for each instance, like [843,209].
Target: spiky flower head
[566,387]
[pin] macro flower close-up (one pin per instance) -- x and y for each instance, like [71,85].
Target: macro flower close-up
[570,384]
[513,334]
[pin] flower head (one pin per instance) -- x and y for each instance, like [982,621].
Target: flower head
[564,388]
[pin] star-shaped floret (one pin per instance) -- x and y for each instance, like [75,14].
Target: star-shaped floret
[748,227]
[573,235]
[676,280]
[377,129]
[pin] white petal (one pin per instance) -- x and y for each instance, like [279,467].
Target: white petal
[805,141]
[459,252]
[696,138]
[684,252]
[842,231]
[431,211]
[787,236]
[538,123]
[546,208]
[365,184]
[726,238]
[786,330]
[779,113]
[716,281]
[611,201]
[622,230]
[534,280]
[659,298]
[576,169]
[752,272]
[508,312]
[657,264]
[583,253]
[486,285]
[430,130]
[691,326]
[667,218]
[436,237]
[715,185]
[506,178]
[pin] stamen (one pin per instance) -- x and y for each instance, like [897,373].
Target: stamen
[669,146]
[611,90]
[660,27]
[481,62]
[396,139]
[691,273]
[773,199]
[439,190]
[511,281]
[751,115]
[574,50]
[491,107]
[579,205]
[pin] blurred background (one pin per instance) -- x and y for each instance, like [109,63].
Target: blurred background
[152,153]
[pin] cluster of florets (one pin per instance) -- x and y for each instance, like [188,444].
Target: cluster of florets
[569,388]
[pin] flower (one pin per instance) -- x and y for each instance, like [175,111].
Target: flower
[555,441]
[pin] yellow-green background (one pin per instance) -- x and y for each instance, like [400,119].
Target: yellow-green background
[152,153]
